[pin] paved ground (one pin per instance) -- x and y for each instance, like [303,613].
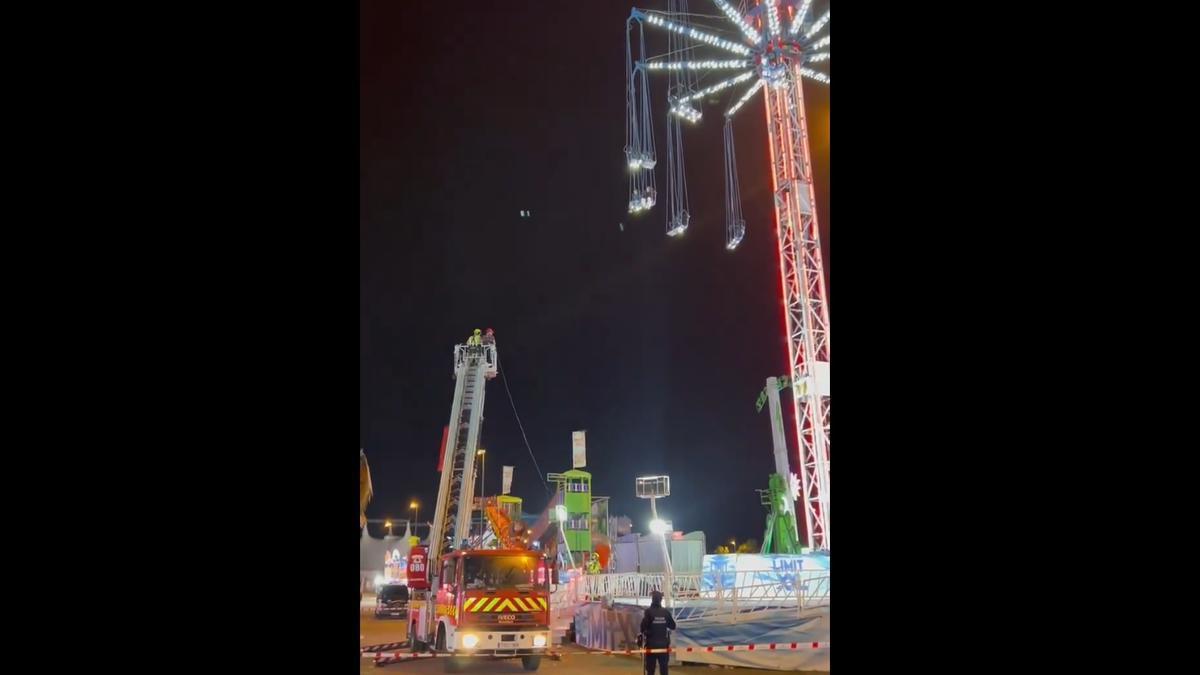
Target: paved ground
[574,660]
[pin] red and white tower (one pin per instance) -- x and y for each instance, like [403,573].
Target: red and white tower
[779,42]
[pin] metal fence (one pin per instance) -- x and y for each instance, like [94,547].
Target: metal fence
[691,600]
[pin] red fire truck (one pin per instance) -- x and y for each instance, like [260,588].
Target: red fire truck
[480,602]
[494,603]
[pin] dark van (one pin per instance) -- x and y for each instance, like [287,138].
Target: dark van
[392,601]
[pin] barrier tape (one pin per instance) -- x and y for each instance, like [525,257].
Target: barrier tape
[387,646]
[383,658]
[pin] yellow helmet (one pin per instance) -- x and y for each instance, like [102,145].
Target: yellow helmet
[477,331]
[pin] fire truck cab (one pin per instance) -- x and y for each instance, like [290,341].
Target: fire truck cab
[493,603]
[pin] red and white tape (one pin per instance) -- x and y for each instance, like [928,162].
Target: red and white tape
[712,649]
[383,657]
[387,646]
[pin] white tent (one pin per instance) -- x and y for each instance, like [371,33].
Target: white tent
[372,554]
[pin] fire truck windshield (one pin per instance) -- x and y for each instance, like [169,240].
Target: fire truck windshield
[494,572]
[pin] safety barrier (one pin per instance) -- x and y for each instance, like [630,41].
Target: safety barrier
[691,601]
[636,585]
[383,657]
[385,647]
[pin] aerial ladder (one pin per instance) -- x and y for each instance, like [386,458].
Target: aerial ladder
[473,366]
[479,602]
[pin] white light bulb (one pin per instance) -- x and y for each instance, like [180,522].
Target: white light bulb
[818,25]
[800,16]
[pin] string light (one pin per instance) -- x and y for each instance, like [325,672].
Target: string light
[773,17]
[751,34]
[699,36]
[818,25]
[697,65]
[718,87]
[745,97]
[800,17]
[814,75]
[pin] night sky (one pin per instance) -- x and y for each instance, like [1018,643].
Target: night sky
[656,346]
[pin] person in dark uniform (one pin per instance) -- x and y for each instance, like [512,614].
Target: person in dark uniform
[655,624]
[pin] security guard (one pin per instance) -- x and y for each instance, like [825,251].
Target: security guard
[655,624]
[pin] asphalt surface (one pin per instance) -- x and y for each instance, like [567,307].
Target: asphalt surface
[574,659]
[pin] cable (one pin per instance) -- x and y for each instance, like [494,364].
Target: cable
[504,379]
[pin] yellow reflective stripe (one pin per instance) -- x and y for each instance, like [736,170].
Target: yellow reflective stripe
[501,604]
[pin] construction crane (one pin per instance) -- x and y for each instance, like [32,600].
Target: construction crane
[478,602]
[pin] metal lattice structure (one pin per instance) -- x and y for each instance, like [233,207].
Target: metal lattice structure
[776,46]
[474,365]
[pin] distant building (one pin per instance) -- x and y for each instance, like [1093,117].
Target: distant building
[382,560]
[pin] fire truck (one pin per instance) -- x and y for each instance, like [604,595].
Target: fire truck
[475,601]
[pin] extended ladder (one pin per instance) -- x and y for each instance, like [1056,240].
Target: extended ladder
[473,366]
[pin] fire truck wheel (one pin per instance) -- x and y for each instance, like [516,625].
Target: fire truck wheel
[440,645]
[531,662]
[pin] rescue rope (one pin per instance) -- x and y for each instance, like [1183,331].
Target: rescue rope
[520,426]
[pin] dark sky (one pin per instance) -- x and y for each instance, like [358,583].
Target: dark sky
[657,346]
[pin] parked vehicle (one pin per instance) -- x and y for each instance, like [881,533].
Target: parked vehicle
[392,601]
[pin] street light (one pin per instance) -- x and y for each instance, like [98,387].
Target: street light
[482,455]
[416,509]
[560,513]
[388,525]
[654,488]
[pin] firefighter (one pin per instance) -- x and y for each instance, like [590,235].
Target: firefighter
[593,565]
[475,340]
[489,337]
[655,624]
